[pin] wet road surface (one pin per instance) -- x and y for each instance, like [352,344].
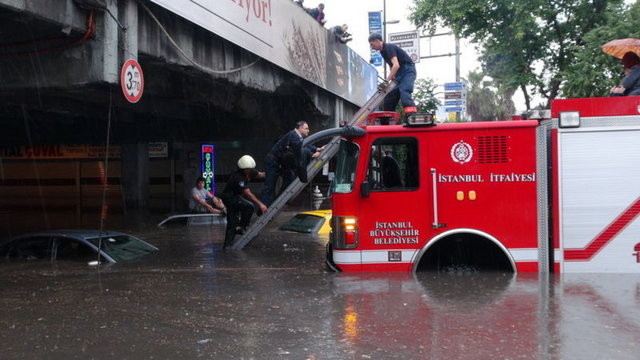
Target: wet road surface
[276,300]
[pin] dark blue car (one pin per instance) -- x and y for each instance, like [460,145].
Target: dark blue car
[93,246]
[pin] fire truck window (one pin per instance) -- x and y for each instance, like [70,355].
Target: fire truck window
[347,159]
[393,165]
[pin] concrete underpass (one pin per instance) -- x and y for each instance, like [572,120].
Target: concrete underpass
[62,103]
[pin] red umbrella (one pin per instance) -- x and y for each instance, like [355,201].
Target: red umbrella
[619,47]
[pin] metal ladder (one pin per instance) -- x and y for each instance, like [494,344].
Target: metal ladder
[313,168]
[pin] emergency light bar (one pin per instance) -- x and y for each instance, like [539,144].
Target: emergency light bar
[536,114]
[569,119]
[420,120]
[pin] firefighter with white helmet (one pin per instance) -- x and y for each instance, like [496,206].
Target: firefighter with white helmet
[246,162]
[240,201]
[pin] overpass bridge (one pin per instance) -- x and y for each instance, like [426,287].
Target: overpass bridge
[232,73]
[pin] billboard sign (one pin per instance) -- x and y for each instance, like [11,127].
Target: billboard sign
[375,26]
[282,33]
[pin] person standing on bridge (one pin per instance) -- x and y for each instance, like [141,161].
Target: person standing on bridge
[340,33]
[284,160]
[240,201]
[402,70]
[318,14]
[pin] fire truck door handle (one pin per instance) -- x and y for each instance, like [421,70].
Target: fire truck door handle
[435,224]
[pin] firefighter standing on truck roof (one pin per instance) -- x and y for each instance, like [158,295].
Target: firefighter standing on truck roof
[403,71]
[240,201]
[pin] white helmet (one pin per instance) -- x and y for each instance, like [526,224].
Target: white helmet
[246,162]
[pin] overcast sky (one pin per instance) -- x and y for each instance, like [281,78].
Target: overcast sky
[355,14]
[441,69]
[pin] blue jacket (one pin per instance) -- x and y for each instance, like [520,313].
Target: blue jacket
[631,82]
[287,149]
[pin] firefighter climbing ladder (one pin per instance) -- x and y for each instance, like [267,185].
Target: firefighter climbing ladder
[314,167]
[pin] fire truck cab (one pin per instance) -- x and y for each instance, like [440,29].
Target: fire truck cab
[559,193]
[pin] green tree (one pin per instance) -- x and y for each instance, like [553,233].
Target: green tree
[484,102]
[424,95]
[592,72]
[523,44]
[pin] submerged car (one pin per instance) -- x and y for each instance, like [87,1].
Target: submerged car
[317,221]
[92,246]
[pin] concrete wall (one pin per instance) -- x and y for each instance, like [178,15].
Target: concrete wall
[67,91]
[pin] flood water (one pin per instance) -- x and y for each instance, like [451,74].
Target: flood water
[276,300]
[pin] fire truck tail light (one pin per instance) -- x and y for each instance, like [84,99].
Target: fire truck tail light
[472,195]
[569,119]
[460,195]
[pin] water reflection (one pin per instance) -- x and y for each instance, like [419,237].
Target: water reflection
[275,300]
[489,315]
[469,289]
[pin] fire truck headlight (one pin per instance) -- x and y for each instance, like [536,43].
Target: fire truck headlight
[569,119]
[344,232]
[350,224]
[350,231]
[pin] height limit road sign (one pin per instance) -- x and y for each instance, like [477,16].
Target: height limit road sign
[132,80]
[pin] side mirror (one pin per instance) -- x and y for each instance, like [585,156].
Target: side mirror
[364,189]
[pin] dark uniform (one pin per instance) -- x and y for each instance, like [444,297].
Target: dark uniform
[239,209]
[284,160]
[405,77]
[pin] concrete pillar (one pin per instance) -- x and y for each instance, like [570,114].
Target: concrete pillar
[135,157]
[135,175]
[104,61]
[129,39]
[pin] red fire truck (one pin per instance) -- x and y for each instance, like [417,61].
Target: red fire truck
[558,193]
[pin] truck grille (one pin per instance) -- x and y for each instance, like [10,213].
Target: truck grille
[493,149]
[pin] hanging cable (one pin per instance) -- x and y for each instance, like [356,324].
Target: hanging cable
[105,182]
[105,185]
[185,56]
[89,32]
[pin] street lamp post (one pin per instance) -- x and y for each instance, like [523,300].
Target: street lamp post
[384,32]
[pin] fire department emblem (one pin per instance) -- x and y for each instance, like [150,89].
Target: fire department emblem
[461,152]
